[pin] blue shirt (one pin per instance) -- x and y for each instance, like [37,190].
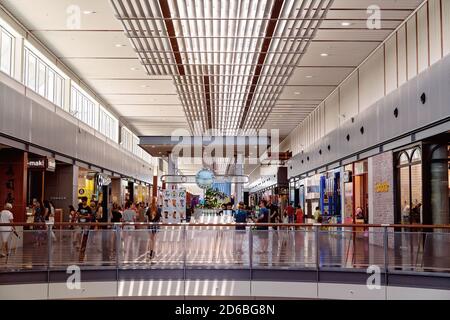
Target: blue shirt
[240,216]
[263,218]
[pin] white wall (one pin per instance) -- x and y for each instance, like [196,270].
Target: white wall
[371,80]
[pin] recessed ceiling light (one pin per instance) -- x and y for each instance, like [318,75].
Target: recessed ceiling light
[296,92]
[309,77]
[89,12]
[346,24]
[134,68]
[119,45]
[324,54]
[144,86]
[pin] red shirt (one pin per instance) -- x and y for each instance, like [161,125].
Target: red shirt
[290,211]
[299,215]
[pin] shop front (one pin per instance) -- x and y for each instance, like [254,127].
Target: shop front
[356,192]
[422,182]
[330,196]
[13,177]
[86,185]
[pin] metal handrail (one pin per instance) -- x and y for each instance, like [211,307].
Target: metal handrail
[183,224]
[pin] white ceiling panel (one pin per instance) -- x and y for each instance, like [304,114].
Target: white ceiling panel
[92,44]
[383,4]
[142,99]
[362,14]
[170,111]
[352,35]
[319,76]
[293,93]
[349,54]
[114,68]
[108,87]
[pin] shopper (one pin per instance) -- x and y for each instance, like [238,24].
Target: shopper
[72,215]
[317,215]
[52,215]
[153,216]
[84,211]
[39,217]
[129,215]
[274,215]
[141,212]
[6,216]
[116,215]
[99,212]
[299,215]
[86,216]
[289,211]
[76,233]
[47,210]
[93,206]
[263,231]
[240,216]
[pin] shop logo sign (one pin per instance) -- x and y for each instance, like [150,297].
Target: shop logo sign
[36,164]
[381,187]
[374,280]
[74,280]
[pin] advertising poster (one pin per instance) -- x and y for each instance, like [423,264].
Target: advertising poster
[174,205]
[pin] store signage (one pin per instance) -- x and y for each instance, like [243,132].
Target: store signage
[381,187]
[51,164]
[48,164]
[36,163]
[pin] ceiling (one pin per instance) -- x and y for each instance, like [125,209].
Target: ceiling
[157,98]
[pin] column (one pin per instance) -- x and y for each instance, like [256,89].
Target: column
[439,200]
[439,186]
[116,191]
[13,178]
[61,187]
[239,170]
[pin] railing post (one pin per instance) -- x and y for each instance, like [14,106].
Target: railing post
[184,252]
[250,248]
[49,245]
[386,256]
[317,240]
[117,229]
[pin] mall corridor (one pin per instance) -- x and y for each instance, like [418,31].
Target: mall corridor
[225,149]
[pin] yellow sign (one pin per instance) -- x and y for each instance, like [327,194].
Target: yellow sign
[381,187]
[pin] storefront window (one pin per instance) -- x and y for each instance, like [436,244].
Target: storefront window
[410,185]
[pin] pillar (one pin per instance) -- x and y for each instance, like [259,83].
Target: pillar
[13,178]
[116,191]
[439,185]
[239,170]
[61,187]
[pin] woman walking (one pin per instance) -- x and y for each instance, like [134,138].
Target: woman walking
[153,216]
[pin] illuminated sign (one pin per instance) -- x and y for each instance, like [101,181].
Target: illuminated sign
[36,163]
[51,164]
[48,164]
[381,187]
